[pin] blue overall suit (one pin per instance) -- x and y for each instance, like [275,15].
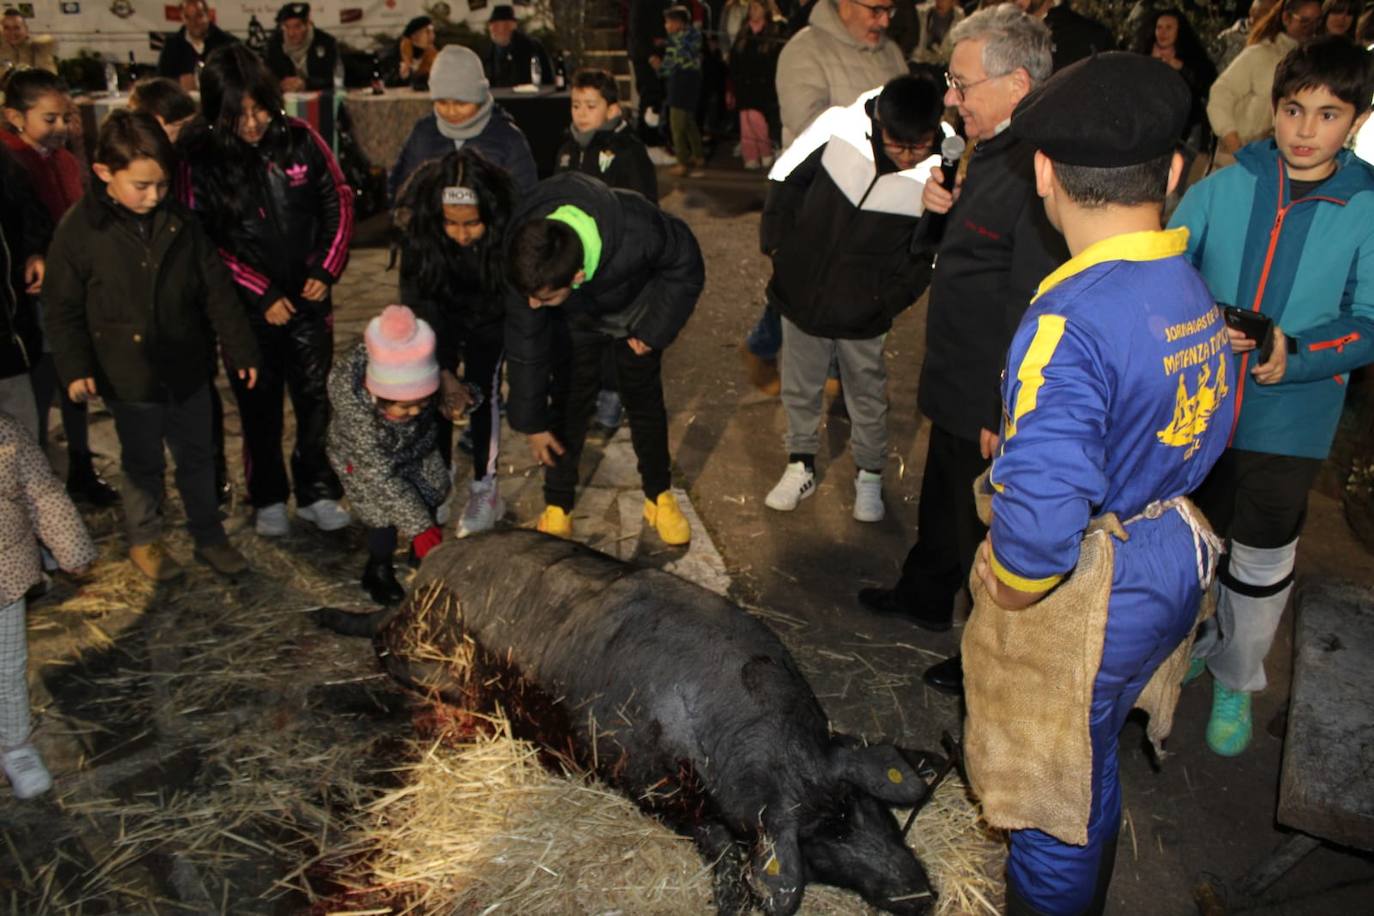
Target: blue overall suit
[1118,394]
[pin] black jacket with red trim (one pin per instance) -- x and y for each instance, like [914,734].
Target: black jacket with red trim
[301,215]
[996,248]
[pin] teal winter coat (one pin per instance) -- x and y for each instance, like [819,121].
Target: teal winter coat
[1306,263]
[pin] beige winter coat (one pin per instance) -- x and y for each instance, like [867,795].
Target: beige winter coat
[37,51]
[32,500]
[824,66]
[1240,98]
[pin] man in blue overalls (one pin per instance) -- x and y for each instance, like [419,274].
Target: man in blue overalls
[1116,398]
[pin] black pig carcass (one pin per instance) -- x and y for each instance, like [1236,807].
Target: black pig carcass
[672,694]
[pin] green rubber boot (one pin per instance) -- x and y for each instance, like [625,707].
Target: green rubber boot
[1195,669]
[1229,730]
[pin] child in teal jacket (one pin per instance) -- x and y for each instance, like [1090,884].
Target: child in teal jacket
[1287,232]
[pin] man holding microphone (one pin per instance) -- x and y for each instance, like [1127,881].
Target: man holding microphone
[997,246]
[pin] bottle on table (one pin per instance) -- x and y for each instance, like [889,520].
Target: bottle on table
[560,71]
[536,72]
[111,78]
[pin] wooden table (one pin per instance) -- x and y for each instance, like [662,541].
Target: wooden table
[381,123]
[1327,788]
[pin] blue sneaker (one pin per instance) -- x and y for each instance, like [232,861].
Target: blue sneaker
[1230,728]
[1195,669]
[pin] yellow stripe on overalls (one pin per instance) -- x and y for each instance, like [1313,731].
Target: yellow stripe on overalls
[1049,330]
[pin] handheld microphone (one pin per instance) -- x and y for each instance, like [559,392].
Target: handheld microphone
[951,151]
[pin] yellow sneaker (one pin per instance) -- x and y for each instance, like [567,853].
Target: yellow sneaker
[556,522]
[665,516]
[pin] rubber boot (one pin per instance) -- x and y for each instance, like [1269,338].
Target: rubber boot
[84,482]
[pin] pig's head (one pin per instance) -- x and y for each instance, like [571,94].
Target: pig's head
[858,845]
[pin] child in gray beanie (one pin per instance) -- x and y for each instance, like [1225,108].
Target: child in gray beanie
[465,114]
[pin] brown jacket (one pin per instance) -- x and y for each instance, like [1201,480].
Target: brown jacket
[33,503]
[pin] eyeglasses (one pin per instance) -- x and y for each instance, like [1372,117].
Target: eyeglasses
[961,88]
[917,150]
[877,11]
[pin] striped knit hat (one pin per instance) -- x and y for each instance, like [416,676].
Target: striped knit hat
[400,356]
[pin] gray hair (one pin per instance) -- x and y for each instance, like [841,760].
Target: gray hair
[1015,40]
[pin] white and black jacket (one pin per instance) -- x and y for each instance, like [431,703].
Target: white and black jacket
[838,224]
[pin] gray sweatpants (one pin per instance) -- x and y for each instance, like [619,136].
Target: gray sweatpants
[805,365]
[14,672]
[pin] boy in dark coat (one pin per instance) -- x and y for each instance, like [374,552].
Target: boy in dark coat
[843,206]
[134,288]
[601,142]
[594,268]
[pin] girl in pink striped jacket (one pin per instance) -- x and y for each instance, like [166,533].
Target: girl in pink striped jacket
[274,200]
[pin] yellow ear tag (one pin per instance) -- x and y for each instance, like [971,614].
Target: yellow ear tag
[894,775]
[773,866]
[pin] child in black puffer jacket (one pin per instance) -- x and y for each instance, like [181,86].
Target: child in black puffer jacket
[274,200]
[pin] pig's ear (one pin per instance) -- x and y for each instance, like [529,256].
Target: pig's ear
[878,769]
[777,872]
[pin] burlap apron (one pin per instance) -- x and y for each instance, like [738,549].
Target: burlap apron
[1028,683]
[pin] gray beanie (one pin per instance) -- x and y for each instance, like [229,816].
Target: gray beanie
[457,75]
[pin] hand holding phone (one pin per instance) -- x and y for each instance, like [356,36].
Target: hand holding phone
[1254,325]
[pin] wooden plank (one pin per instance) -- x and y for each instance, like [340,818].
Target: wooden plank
[1327,786]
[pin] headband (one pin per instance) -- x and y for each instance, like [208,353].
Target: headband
[460,197]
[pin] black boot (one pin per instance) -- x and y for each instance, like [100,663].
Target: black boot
[379,580]
[84,482]
[947,676]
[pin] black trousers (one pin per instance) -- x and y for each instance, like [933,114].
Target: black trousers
[1257,498]
[185,428]
[937,567]
[576,381]
[295,360]
[483,355]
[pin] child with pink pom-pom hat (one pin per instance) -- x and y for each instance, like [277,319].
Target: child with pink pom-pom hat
[384,442]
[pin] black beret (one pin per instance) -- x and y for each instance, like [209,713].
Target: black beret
[415,25]
[293,11]
[1106,111]
[502,12]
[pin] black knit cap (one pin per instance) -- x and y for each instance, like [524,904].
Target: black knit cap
[293,11]
[1106,111]
[415,25]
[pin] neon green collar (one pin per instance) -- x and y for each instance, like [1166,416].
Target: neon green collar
[1132,246]
[585,227]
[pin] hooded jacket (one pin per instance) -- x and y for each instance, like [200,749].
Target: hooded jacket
[824,66]
[645,285]
[132,305]
[1309,265]
[304,223]
[614,154]
[839,222]
[501,142]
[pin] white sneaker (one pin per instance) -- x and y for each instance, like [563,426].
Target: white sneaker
[271,521]
[484,507]
[868,497]
[325,514]
[24,768]
[796,484]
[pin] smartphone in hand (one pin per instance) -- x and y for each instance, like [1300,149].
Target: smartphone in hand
[1255,325]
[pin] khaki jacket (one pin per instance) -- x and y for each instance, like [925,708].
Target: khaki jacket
[824,66]
[1240,98]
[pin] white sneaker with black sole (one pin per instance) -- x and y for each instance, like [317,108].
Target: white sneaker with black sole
[325,514]
[484,507]
[271,521]
[25,770]
[797,483]
[868,497]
